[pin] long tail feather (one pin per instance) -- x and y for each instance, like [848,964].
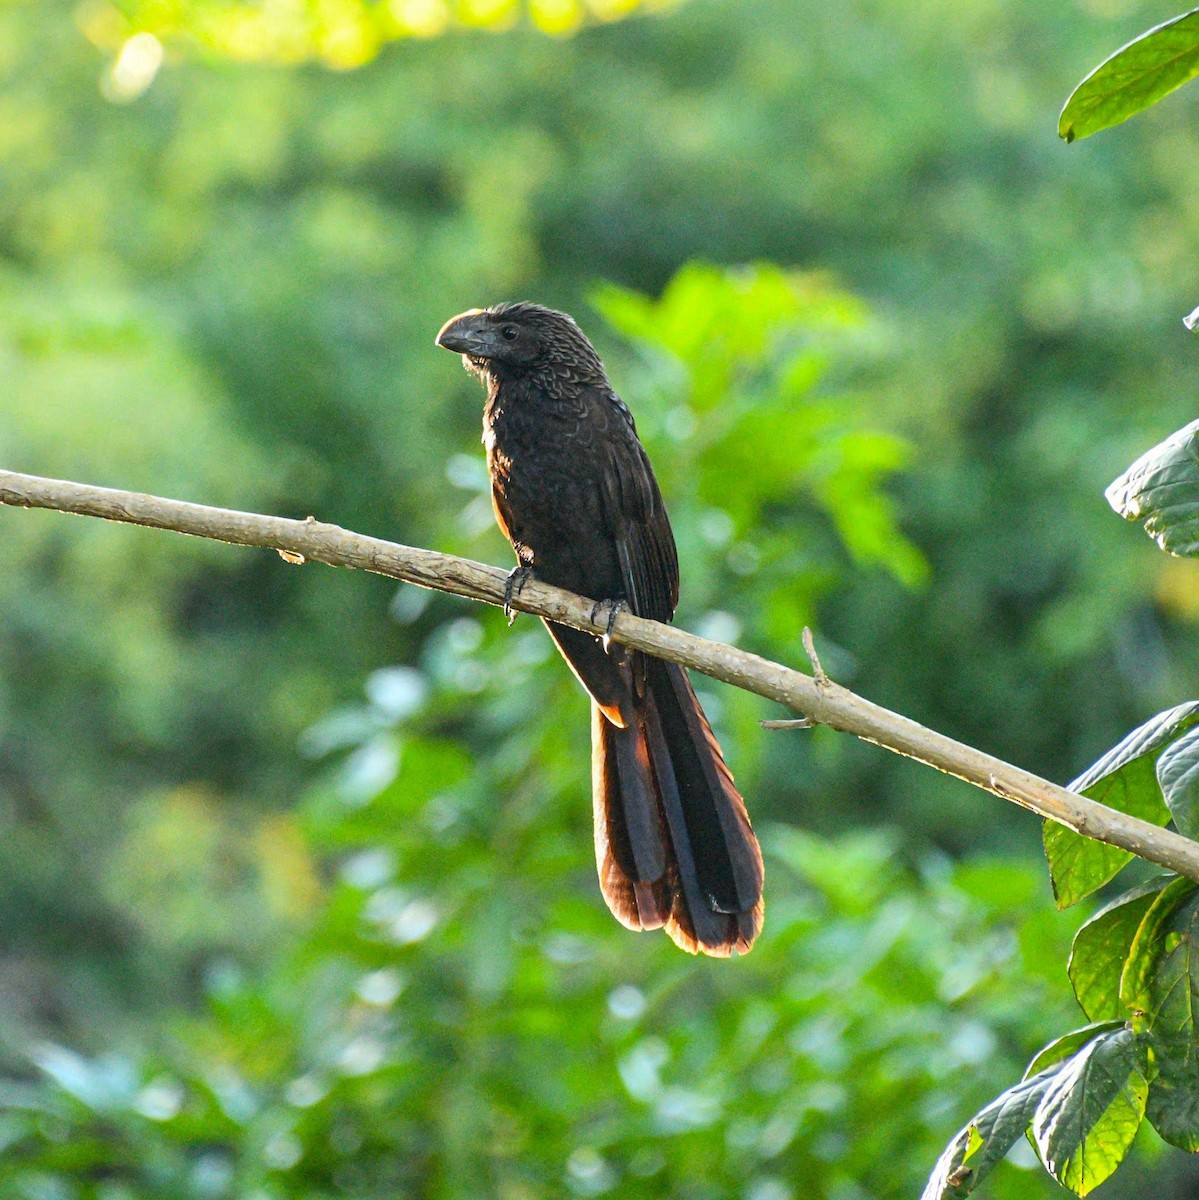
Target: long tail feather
[674,845]
[630,849]
[728,860]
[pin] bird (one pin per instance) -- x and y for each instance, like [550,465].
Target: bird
[574,493]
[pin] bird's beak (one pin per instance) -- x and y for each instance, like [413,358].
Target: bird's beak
[468,333]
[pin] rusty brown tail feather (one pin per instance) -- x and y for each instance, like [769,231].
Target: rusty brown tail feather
[673,842]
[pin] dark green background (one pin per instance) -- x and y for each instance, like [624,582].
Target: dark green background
[226,290]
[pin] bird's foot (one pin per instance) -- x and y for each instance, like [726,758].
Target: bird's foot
[513,585]
[615,608]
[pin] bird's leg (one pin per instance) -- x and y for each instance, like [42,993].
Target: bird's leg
[615,608]
[618,606]
[517,578]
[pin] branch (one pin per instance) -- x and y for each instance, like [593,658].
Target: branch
[818,699]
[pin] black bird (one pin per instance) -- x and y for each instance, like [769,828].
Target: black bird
[575,494]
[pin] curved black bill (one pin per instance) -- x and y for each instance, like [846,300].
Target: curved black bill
[467,333]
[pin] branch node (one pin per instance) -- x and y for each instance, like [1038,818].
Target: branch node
[818,672]
[1002,790]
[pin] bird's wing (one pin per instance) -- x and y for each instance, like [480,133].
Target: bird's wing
[636,516]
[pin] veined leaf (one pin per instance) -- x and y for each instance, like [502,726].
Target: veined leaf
[1101,949]
[1178,775]
[1161,985]
[1125,779]
[1136,76]
[1079,866]
[992,1132]
[1067,1046]
[1173,1105]
[1161,490]
[1091,1110]
[1146,739]
[974,1152]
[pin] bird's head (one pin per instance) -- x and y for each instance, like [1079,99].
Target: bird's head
[512,340]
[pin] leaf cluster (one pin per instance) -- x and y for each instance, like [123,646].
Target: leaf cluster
[1132,965]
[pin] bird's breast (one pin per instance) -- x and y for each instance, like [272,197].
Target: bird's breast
[538,451]
[546,482]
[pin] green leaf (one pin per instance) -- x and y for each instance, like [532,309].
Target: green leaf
[1161,985]
[1066,1046]
[1125,779]
[1091,1110]
[1178,776]
[1173,1106]
[992,1132]
[1161,490]
[973,1153]
[1079,866]
[1161,980]
[1101,948]
[1136,76]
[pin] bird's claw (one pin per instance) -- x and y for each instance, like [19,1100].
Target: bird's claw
[513,585]
[615,608]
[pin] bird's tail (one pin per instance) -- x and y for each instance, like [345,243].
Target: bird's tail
[673,841]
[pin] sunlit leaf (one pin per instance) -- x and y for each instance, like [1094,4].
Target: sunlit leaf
[1101,949]
[1178,775]
[1124,779]
[992,1132]
[1161,490]
[1066,1046]
[1136,76]
[1161,987]
[1161,981]
[1091,1110]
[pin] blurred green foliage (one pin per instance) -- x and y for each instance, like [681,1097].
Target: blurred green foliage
[459,1015]
[339,33]
[220,280]
[463,1019]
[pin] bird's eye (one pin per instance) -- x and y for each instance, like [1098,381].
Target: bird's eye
[509,333]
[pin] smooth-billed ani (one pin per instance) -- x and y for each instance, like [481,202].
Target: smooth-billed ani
[575,494]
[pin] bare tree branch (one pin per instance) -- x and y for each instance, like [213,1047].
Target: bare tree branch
[819,700]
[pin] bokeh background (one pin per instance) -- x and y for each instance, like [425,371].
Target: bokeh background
[296,884]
